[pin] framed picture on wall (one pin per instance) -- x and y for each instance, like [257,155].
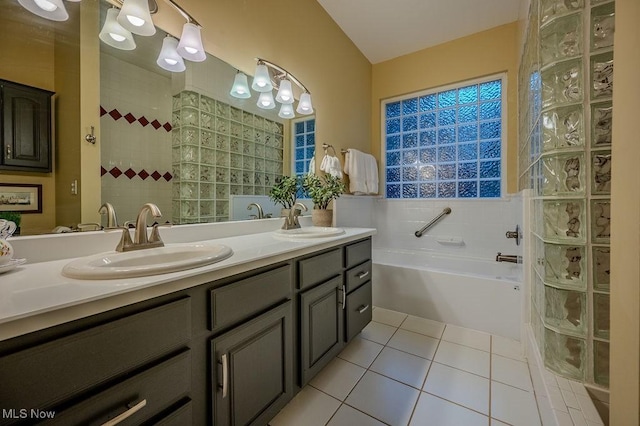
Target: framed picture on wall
[20,198]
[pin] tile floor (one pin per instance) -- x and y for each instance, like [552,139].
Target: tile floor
[405,370]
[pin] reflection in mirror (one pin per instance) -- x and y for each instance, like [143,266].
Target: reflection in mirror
[181,140]
[178,140]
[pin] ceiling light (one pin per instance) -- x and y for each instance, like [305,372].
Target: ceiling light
[240,88]
[53,10]
[114,35]
[265,101]
[136,17]
[169,59]
[190,46]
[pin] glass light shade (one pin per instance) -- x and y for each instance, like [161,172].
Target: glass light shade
[240,88]
[286,111]
[285,94]
[135,17]
[169,58]
[304,106]
[190,46]
[261,79]
[265,101]
[53,10]
[114,35]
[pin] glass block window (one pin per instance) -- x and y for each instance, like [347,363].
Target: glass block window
[445,143]
[304,144]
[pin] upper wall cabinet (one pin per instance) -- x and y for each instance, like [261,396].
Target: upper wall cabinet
[26,128]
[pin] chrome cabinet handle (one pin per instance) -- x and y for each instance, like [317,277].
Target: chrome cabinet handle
[225,376]
[361,275]
[130,412]
[363,308]
[344,297]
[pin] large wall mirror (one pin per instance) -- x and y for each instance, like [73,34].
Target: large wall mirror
[178,140]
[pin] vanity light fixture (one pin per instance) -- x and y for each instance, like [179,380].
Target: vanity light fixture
[267,77]
[169,59]
[135,16]
[53,10]
[114,34]
[240,88]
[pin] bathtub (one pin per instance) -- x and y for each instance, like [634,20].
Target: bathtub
[475,293]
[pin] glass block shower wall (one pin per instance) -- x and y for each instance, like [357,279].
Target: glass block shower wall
[219,150]
[565,88]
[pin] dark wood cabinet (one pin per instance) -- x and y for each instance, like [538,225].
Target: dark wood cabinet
[229,352]
[26,128]
[252,369]
[320,327]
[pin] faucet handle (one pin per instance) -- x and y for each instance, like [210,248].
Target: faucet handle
[125,242]
[155,233]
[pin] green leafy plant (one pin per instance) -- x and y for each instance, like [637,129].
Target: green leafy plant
[14,217]
[285,191]
[322,190]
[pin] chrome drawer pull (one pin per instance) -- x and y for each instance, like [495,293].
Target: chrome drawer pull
[363,308]
[130,412]
[361,275]
[344,297]
[225,376]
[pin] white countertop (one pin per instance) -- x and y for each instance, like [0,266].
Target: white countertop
[35,296]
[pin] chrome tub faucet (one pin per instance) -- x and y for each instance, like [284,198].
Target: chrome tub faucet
[509,258]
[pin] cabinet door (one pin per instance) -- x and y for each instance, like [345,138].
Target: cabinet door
[252,369]
[320,326]
[358,310]
[26,124]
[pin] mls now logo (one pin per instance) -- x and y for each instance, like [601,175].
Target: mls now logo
[23,413]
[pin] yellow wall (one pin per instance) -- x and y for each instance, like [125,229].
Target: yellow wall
[301,37]
[625,220]
[485,53]
[37,72]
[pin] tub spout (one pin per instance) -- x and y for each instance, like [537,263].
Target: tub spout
[510,258]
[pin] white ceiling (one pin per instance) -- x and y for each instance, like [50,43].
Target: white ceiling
[385,29]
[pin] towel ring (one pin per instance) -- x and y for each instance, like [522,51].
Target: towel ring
[327,146]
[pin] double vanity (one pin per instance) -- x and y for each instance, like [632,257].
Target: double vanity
[230,342]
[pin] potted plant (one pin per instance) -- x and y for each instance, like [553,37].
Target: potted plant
[285,192]
[322,190]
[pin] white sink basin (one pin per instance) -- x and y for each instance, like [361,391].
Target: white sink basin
[141,263]
[309,232]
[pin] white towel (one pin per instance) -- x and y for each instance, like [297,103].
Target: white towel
[363,172]
[331,165]
[312,166]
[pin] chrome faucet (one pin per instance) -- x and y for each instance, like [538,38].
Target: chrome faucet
[112,219]
[259,208]
[140,238]
[509,258]
[291,221]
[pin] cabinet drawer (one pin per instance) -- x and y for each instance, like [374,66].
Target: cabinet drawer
[358,275]
[46,374]
[358,310]
[152,391]
[181,416]
[357,253]
[240,300]
[319,268]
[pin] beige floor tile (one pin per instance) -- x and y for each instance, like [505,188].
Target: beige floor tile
[514,406]
[348,416]
[401,366]
[310,407]
[507,347]
[386,316]
[511,372]
[464,358]
[383,398]
[414,343]
[361,351]
[338,378]
[423,326]
[466,389]
[378,332]
[468,337]
[432,410]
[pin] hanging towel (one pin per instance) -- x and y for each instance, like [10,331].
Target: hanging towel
[331,165]
[312,166]
[362,169]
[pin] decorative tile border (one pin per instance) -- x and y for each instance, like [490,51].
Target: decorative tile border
[130,118]
[130,173]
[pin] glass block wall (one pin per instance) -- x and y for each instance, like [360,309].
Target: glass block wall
[565,89]
[219,150]
[445,144]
